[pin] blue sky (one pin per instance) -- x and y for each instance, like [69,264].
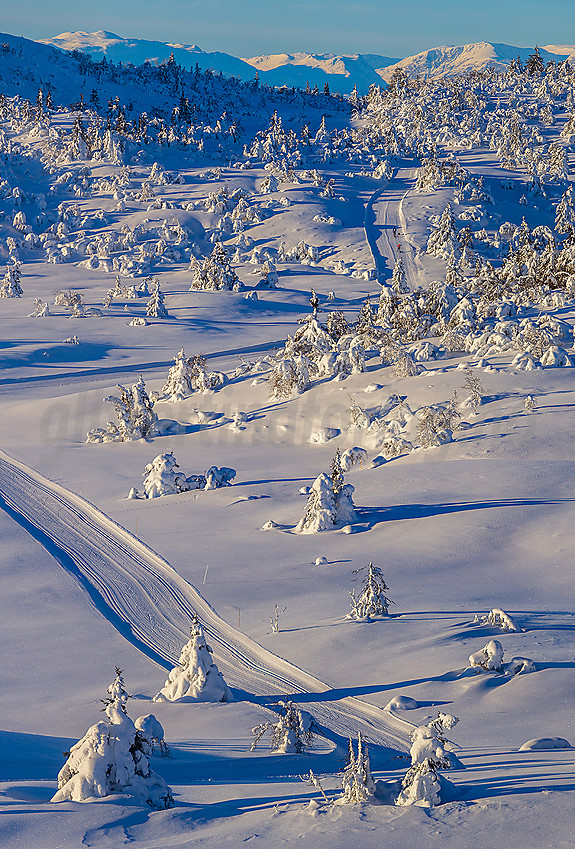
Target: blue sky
[332,26]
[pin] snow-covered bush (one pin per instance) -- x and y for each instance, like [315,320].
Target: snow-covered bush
[489,659]
[196,676]
[499,619]
[219,477]
[289,377]
[112,758]
[353,457]
[372,600]
[153,731]
[189,375]
[421,784]
[135,412]
[356,779]
[162,478]
[292,733]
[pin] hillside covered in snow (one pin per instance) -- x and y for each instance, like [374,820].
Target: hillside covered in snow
[286,501]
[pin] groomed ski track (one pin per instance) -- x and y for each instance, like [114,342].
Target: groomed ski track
[383,212]
[151,605]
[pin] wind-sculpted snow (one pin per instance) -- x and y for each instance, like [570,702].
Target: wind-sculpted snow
[152,606]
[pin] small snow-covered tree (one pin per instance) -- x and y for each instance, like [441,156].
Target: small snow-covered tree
[155,307]
[475,389]
[443,241]
[196,676]
[162,478]
[325,508]
[135,412]
[421,784]
[565,213]
[356,779]
[489,659]
[11,287]
[214,272]
[398,281]
[183,376]
[153,731]
[112,758]
[117,692]
[292,733]
[290,376]
[372,600]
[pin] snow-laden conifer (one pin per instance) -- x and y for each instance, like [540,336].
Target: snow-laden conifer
[372,601]
[113,758]
[196,677]
[421,784]
[11,287]
[292,733]
[356,780]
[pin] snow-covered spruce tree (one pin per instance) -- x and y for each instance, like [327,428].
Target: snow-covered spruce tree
[117,693]
[112,758]
[475,389]
[161,477]
[183,375]
[289,377]
[327,509]
[436,424]
[356,779]
[11,287]
[398,281]
[214,272]
[443,241]
[421,784]
[372,600]
[291,734]
[135,412]
[565,213]
[196,676]
[155,307]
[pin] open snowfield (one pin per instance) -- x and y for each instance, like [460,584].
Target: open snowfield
[93,580]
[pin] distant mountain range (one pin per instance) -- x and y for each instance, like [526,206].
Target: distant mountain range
[341,73]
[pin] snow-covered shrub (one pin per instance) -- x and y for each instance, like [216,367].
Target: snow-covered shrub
[216,478]
[436,424]
[196,676]
[475,389]
[135,412]
[153,731]
[499,619]
[421,784]
[162,478]
[292,733]
[41,309]
[112,758]
[353,457]
[289,377]
[489,659]
[356,779]
[372,600]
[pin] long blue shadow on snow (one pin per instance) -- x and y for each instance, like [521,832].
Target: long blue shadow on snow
[375,515]
[66,562]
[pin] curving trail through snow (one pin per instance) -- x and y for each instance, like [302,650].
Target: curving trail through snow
[384,211]
[151,605]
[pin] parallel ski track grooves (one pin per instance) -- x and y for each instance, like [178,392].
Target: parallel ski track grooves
[151,605]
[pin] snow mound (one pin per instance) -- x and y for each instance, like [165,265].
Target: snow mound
[401,703]
[545,743]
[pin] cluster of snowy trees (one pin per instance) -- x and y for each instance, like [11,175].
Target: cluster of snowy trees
[163,477]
